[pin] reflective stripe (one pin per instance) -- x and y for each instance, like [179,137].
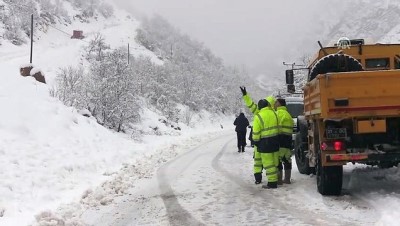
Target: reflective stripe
[277,120]
[267,136]
[252,104]
[285,121]
[262,130]
[270,128]
[270,167]
[261,121]
[271,173]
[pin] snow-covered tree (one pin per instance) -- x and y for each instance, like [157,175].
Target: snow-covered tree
[191,76]
[70,85]
[113,95]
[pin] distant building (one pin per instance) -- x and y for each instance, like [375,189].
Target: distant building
[77,34]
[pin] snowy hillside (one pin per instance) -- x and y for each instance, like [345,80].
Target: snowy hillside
[49,153]
[361,19]
[52,158]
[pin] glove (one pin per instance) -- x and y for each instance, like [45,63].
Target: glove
[256,143]
[243,89]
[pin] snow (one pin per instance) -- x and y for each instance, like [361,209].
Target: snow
[50,154]
[35,70]
[57,165]
[211,183]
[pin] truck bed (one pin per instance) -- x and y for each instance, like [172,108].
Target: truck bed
[353,95]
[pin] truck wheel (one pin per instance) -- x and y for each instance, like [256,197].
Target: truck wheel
[300,154]
[329,178]
[334,63]
[302,127]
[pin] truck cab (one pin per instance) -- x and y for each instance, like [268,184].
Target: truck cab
[295,106]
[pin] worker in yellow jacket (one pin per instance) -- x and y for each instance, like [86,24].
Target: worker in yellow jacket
[285,121]
[266,138]
[258,165]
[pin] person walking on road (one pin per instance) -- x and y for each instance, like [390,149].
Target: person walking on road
[266,139]
[285,122]
[241,124]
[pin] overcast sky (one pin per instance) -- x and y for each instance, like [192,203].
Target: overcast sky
[260,34]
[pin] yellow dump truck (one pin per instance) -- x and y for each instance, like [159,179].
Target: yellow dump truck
[351,111]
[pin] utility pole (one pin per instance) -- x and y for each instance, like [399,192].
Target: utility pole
[31,37]
[171,51]
[129,56]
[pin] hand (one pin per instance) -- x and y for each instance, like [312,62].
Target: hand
[243,89]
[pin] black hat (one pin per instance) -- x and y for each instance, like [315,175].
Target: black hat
[281,101]
[262,104]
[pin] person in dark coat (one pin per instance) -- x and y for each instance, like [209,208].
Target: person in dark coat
[241,124]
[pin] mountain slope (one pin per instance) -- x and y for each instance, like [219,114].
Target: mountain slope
[49,153]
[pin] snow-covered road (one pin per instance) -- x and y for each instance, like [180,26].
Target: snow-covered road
[212,184]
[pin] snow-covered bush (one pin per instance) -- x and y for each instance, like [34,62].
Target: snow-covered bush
[70,86]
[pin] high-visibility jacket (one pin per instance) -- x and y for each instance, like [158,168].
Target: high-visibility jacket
[266,130]
[250,104]
[271,100]
[253,106]
[286,123]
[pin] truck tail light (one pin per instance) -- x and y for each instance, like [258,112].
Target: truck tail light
[324,146]
[338,145]
[333,146]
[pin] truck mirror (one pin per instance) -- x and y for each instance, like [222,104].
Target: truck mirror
[289,77]
[291,88]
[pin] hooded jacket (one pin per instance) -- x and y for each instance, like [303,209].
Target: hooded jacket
[241,123]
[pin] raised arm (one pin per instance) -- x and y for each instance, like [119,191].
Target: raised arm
[248,101]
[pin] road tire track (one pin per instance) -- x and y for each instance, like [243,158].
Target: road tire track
[308,217]
[177,215]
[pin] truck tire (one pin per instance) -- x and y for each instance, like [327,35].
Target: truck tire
[329,178]
[300,155]
[334,63]
[302,127]
[300,146]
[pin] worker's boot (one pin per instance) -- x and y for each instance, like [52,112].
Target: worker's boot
[288,174]
[242,148]
[270,185]
[239,149]
[258,178]
[280,182]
